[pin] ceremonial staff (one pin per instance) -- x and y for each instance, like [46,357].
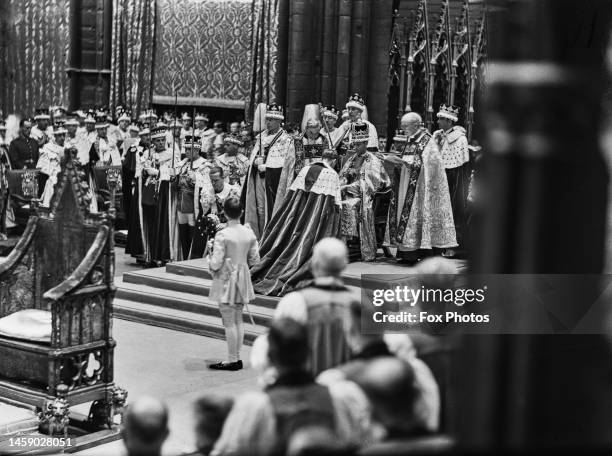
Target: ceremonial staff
[260,140]
[325,125]
[192,137]
[174,127]
[260,134]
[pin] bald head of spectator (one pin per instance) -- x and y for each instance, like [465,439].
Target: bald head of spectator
[390,385]
[329,258]
[146,427]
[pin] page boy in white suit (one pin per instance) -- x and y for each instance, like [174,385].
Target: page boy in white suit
[235,250]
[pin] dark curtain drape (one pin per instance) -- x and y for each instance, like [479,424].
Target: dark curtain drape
[265,51]
[34,44]
[132,54]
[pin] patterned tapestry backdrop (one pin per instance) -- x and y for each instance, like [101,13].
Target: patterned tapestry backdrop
[33,61]
[203,52]
[132,54]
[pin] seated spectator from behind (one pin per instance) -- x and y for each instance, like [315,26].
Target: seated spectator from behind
[363,347]
[323,306]
[367,348]
[146,427]
[390,385]
[210,414]
[316,441]
[261,423]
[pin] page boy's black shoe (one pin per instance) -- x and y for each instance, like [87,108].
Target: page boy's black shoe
[227,366]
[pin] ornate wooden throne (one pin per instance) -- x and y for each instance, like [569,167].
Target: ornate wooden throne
[63,264]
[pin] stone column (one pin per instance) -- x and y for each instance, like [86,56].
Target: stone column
[547,184]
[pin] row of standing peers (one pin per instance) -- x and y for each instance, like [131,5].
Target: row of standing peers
[295,187]
[41,142]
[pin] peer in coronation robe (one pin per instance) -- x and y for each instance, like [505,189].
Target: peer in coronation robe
[310,212]
[188,173]
[361,177]
[453,144]
[159,222]
[103,152]
[234,164]
[420,212]
[49,160]
[6,214]
[265,183]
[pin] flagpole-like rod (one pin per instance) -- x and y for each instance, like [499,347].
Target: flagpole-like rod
[174,127]
[325,125]
[192,137]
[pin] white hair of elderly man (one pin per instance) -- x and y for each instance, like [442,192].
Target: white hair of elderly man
[410,122]
[329,257]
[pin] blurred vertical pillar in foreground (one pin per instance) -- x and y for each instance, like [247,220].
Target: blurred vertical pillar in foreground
[547,185]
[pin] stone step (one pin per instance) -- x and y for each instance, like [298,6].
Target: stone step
[176,297]
[159,278]
[352,275]
[181,301]
[179,320]
[191,268]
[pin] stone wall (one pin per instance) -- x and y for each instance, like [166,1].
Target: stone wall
[336,48]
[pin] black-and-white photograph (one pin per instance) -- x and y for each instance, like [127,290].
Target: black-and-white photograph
[305,227]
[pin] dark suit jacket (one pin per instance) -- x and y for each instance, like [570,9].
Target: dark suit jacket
[23,153]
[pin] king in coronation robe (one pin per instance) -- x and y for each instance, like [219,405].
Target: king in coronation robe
[310,212]
[264,184]
[420,212]
[361,177]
